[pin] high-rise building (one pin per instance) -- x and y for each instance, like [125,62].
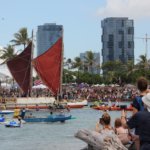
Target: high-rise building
[47,35]
[117,39]
[95,68]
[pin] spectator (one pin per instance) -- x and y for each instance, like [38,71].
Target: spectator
[142,85]
[123,133]
[104,124]
[141,120]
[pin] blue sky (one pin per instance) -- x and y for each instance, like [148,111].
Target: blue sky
[81,20]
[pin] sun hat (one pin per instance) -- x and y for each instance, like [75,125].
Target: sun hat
[146,101]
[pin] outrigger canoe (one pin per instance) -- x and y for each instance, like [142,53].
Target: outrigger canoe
[77,104]
[114,108]
[50,118]
[6,112]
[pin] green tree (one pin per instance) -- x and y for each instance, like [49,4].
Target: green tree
[143,62]
[21,38]
[69,63]
[7,53]
[143,65]
[77,63]
[89,61]
[113,71]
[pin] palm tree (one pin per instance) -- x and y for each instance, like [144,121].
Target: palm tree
[143,64]
[77,64]
[7,53]
[21,37]
[130,67]
[142,61]
[89,61]
[69,63]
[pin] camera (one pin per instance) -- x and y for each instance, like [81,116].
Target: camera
[101,120]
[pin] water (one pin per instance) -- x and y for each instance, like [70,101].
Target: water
[51,136]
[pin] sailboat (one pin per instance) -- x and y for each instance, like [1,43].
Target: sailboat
[48,66]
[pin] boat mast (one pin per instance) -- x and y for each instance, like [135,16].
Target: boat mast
[62,63]
[31,67]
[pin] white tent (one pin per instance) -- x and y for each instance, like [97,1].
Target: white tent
[40,86]
[6,85]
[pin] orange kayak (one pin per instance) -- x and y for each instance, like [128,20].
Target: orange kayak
[114,108]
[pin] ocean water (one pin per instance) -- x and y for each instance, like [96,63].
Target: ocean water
[51,136]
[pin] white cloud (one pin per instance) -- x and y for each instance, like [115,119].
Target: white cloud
[134,9]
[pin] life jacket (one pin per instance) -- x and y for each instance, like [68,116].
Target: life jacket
[139,100]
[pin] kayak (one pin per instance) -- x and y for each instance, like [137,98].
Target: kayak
[114,108]
[12,124]
[50,118]
[6,111]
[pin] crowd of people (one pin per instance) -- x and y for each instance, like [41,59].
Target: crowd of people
[133,131]
[104,93]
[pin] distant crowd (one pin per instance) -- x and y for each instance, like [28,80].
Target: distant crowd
[105,93]
[82,91]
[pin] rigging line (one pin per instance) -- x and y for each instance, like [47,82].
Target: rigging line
[26,75]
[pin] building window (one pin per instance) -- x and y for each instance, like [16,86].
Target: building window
[120,44]
[129,44]
[130,30]
[110,44]
[120,32]
[122,23]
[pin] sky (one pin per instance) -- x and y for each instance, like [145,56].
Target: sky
[81,20]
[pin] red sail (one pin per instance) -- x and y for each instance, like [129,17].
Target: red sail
[48,66]
[20,68]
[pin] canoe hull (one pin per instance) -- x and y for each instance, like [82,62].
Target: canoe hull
[111,108]
[58,118]
[6,112]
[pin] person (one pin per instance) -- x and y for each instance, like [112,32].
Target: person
[142,85]
[30,115]
[51,113]
[123,133]
[104,123]
[23,111]
[37,107]
[142,120]
[109,104]
[20,122]
[137,105]
[117,103]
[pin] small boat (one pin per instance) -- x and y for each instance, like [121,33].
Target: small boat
[113,108]
[77,104]
[12,124]
[50,118]
[2,119]
[6,111]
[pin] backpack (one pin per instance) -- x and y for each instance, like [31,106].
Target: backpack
[139,100]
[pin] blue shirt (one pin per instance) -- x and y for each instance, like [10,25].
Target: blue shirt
[141,120]
[137,103]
